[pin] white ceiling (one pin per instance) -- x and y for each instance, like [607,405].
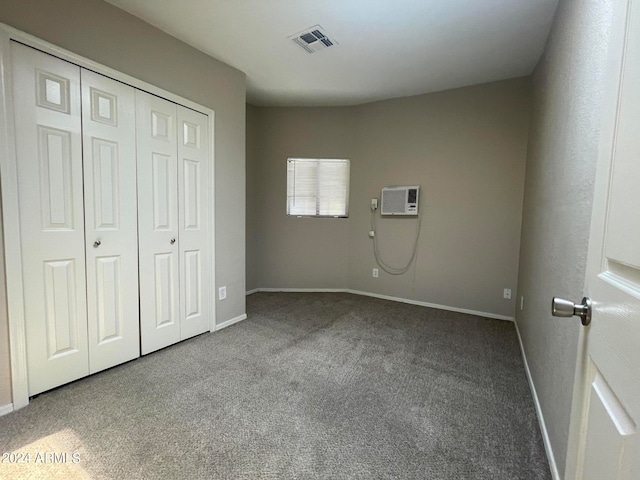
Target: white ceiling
[386,48]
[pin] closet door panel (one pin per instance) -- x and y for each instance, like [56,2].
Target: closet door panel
[49,155]
[109,144]
[158,227]
[193,191]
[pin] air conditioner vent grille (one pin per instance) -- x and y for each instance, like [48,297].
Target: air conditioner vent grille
[313,39]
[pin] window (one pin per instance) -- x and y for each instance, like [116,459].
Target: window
[318,187]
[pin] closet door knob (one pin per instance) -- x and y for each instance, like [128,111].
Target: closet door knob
[172,241]
[97,243]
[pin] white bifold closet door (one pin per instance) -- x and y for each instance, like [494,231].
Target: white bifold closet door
[172,144]
[111,226]
[81,306]
[49,152]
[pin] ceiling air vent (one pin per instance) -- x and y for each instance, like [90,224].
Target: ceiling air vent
[313,39]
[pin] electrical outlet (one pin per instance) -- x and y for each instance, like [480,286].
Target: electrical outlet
[521,302]
[222,293]
[507,294]
[375,273]
[372,233]
[374,204]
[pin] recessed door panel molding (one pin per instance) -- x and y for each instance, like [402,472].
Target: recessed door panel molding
[165,289]
[111,225]
[109,299]
[611,436]
[162,126]
[106,197]
[193,177]
[158,221]
[52,91]
[192,180]
[191,135]
[46,94]
[164,198]
[623,222]
[61,315]
[56,194]
[193,281]
[104,107]
[623,217]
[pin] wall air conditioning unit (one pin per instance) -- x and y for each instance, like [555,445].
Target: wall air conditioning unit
[400,200]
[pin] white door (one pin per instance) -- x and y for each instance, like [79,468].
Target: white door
[109,144]
[604,441]
[193,175]
[158,228]
[49,155]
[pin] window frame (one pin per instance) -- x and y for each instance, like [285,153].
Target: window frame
[346,161]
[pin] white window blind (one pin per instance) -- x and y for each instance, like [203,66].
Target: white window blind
[318,187]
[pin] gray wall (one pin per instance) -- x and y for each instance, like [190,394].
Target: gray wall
[253,184]
[560,173]
[465,147]
[108,35]
[280,253]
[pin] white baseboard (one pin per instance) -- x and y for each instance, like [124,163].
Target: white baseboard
[385,297]
[251,292]
[6,409]
[433,305]
[303,290]
[230,322]
[543,426]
